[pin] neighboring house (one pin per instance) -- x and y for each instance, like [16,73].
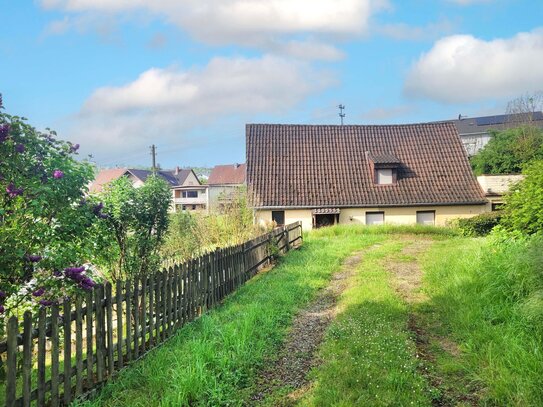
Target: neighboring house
[320,175]
[496,186]
[224,182]
[190,194]
[475,131]
[187,191]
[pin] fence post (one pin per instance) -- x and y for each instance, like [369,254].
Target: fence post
[11,362]
[27,357]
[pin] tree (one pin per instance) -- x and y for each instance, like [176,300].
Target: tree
[45,221]
[521,110]
[524,203]
[509,150]
[136,219]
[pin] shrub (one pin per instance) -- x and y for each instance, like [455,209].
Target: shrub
[480,225]
[524,209]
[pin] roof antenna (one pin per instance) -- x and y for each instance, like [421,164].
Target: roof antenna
[153,154]
[460,117]
[341,114]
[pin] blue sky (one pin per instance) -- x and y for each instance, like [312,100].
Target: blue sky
[119,75]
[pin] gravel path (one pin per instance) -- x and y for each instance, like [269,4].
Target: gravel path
[298,354]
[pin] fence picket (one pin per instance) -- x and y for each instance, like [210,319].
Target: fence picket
[11,362]
[119,302]
[78,348]
[88,319]
[27,358]
[67,352]
[42,316]
[54,356]
[109,327]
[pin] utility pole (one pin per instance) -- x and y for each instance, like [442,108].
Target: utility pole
[153,154]
[341,114]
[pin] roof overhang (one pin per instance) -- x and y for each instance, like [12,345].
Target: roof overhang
[315,207]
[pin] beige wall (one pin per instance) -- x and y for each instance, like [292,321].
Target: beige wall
[291,216]
[397,216]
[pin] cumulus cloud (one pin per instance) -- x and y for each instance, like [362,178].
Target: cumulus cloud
[163,105]
[254,23]
[462,68]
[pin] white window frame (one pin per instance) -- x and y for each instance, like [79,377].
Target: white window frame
[384,176]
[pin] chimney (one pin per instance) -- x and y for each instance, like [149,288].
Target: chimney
[236,165]
[177,170]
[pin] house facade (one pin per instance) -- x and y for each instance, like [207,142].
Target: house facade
[225,181]
[496,186]
[188,194]
[475,132]
[397,174]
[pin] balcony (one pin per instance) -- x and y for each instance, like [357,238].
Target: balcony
[201,200]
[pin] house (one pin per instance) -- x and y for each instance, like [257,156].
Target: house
[496,186]
[475,131]
[189,194]
[187,191]
[320,175]
[224,182]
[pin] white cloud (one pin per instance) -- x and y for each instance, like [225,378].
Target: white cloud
[462,68]
[254,23]
[163,105]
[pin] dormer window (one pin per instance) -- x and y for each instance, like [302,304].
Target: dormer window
[384,176]
[384,168]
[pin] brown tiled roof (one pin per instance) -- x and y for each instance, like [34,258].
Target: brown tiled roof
[327,166]
[104,177]
[227,174]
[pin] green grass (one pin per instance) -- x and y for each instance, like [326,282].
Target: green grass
[488,297]
[368,355]
[214,360]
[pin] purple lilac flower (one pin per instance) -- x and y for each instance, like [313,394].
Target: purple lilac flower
[103,215]
[74,148]
[58,174]
[39,292]
[87,284]
[12,191]
[4,132]
[2,295]
[75,269]
[57,273]
[2,309]
[34,258]
[46,303]
[98,208]
[20,148]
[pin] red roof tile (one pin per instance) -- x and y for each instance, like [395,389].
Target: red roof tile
[227,174]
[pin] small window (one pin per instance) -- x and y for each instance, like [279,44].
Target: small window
[190,194]
[184,207]
[384,176]
[375,218]
[497,206]
[193,207]
[278,217]
[426,217]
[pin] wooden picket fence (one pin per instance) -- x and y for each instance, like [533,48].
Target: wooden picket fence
[67,351]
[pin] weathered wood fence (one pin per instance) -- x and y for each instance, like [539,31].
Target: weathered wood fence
[70,349]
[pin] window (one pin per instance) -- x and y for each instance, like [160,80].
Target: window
[193,207]
[375,218]
[184,207]
[384,176]
[190,194]
[278,217]
[426,217]
[497,206]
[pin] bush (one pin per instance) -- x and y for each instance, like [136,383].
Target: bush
[480,225]
[524,209]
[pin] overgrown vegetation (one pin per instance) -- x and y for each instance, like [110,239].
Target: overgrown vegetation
[191,234]
[480,225]
[134,227]
[509,151]
[487,296]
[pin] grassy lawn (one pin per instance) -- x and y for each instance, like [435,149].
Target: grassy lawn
[214,360]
